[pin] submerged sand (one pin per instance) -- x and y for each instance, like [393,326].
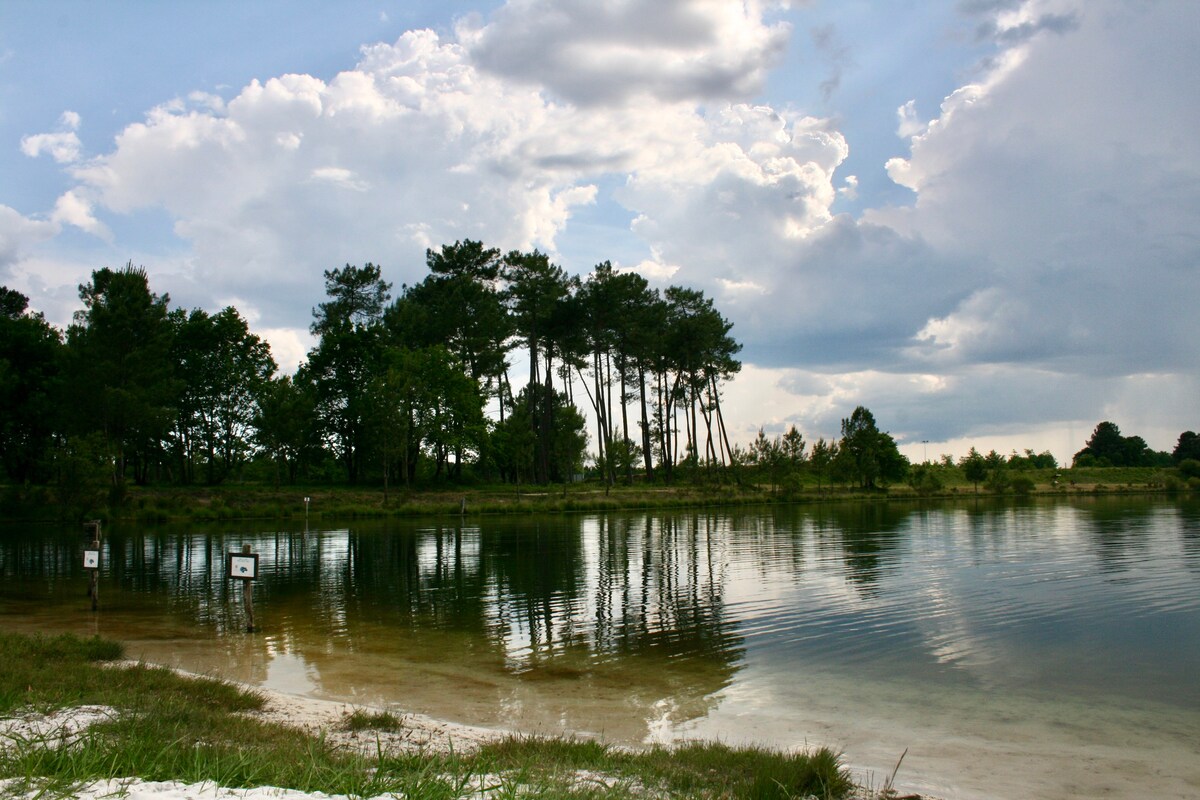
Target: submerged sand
[416,733]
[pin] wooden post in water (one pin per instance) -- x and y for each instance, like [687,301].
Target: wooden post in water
[91,562]
[243,566]
[248,595]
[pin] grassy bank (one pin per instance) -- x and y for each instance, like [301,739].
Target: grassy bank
[238,501]
[164,726]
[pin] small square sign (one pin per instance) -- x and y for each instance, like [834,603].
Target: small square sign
[91,559]
[243,565]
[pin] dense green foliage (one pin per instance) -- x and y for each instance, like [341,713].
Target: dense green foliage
[1187,448]
[1108,448]
[869,454]
[415,391]
[31,363]
[393,392]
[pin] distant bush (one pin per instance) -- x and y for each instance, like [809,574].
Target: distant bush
[1022,484]
[1189,468]
[997,482]
[793,484]
[924,479]
[1172,483]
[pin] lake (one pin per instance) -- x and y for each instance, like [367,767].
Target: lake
[1006,650]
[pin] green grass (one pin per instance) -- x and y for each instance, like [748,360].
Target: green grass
[46,673]
[172,727]
[700,769]
[360,720]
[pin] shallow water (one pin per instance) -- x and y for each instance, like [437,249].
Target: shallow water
[1041,650]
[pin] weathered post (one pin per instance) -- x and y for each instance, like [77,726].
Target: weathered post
[244,567]
[91,562]
[248,596]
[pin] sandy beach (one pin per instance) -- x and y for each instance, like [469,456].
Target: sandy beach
[417,733]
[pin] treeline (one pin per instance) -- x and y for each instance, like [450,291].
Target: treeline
[417,388]
[1105,448]
[1108,448]
[395,390]
[864,456]
[868,458]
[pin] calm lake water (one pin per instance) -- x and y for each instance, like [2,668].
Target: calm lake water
[1042,650]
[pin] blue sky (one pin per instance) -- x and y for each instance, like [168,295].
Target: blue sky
[975,218]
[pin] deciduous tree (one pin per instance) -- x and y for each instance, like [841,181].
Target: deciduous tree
[974,467]
[31,357]
[1188,447]
[1108,448]
[224,369]
[822,458]
[871,453]
[285,424]
[347,356]
[122,379]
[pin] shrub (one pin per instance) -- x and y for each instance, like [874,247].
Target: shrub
[793,484]
[924,480]
[1022,484]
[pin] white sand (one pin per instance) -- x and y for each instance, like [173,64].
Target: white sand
[134,789]
[52,730]
[314,716]
[416,732]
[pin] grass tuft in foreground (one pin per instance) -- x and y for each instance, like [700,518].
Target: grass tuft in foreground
[45,673]
[700,769]
[167,726]
[360,720]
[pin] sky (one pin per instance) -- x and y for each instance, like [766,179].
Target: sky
[975,218]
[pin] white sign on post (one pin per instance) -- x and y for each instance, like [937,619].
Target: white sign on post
[91,559]
[243,565]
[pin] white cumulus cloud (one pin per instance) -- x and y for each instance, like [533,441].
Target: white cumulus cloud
[586,52]
[74,209]
[18,234]
[1055,192]
[63,146]
[1076,186]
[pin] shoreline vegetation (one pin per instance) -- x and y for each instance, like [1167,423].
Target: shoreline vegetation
[72,716]
[257,501]
[136,403]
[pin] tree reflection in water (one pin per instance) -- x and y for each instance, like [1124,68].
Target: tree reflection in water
[522,613]
[641,621]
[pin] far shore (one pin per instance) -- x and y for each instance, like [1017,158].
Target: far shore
[316,503]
